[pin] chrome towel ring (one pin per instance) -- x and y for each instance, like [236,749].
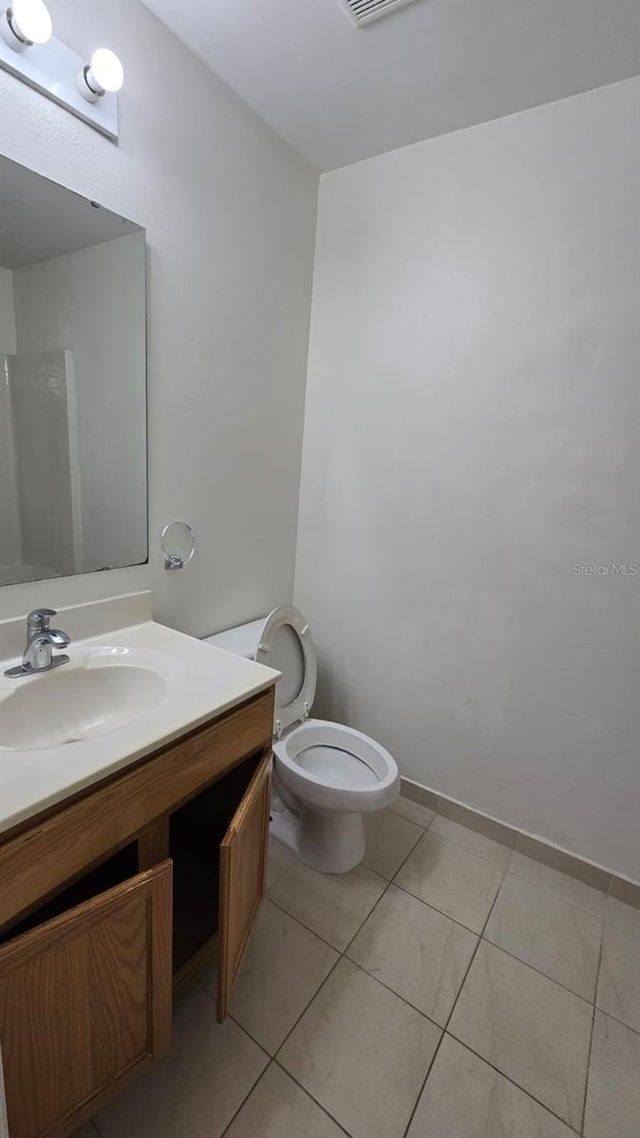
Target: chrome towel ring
[177,559]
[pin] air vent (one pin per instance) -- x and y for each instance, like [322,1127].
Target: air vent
[362,12]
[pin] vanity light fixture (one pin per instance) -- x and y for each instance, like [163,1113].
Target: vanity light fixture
[31,53]
[104,73]
[25,23]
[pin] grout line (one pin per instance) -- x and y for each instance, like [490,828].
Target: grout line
[434,908]
[341,955]
[593,1022]
[273,1062]
[545,975]
[307,1092]
[478,833]
[518,1086]
[605,913]
[423,826]
[621,1022]
[482,1057]
[574,902]
[454,1004]
[583,1115]
[405,858]
[251,1088]
[484,855]
[482,935]
[307,928]
[197,984]
[402,999]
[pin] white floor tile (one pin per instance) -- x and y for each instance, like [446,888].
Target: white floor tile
[548,932]
[613,1095]
[619,982]
[570,888]
[362,1053]
[535,1032]
[334,905]
[471,839]
[415,950]
[279,858]
[421,815]
[390,838]
[282,971]
[466,1098]
[279,1108]
[460,883]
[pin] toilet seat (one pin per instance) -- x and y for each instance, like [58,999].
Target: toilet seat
[296,708]
[336,767]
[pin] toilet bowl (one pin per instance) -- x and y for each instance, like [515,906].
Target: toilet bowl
[326,775]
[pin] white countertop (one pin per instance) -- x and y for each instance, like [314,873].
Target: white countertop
[204,682]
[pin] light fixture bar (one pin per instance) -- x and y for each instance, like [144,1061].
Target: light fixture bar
[52,69]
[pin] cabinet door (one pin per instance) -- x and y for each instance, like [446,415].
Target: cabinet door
[243,865]
[85,1004]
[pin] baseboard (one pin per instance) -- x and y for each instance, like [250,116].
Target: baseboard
[531,845]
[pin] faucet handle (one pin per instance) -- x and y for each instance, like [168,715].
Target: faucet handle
[38,620]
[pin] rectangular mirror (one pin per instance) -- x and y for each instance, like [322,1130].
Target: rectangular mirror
[73,462]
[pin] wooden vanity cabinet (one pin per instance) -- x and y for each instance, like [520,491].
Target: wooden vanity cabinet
[109,899]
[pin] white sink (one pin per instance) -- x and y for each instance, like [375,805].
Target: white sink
[98,692]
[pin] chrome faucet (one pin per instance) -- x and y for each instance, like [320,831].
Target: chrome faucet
[41,640]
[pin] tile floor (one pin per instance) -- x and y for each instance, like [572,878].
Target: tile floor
[447,988]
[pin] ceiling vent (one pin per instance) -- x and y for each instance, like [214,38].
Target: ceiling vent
[362,12]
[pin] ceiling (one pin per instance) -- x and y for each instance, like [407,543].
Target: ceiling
[40,219]
[339,93]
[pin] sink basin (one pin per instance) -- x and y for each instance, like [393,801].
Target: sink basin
[97,693]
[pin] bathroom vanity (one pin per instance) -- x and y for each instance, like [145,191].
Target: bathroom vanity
[111,895]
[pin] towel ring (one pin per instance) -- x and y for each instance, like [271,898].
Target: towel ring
[177,560]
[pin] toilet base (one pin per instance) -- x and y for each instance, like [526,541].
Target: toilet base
[331,841]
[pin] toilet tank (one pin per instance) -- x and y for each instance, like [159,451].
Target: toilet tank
[243,639]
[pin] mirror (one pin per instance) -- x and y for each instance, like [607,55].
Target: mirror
[73,477]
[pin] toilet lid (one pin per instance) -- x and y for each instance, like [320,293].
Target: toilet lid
[286,644]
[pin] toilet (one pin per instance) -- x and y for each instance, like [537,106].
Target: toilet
[325,775]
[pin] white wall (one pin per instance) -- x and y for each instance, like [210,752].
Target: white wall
[230,214]
[472,432]
[78,301]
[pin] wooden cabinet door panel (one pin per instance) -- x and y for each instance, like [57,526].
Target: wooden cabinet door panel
[243,864]
[85,1000]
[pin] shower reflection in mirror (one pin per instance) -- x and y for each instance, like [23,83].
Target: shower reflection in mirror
[73,494]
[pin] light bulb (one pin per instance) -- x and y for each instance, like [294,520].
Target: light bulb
[104,73]
[26,22]
[106,69]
